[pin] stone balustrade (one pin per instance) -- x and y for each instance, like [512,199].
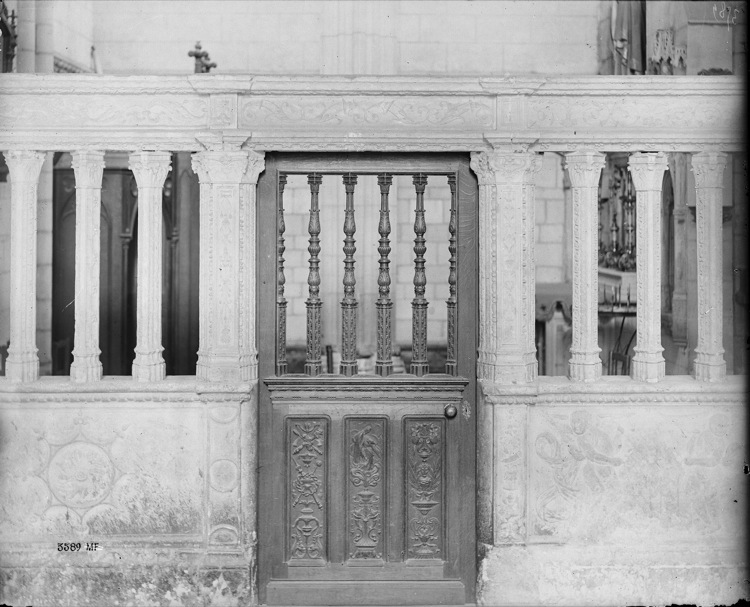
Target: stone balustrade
[230,122]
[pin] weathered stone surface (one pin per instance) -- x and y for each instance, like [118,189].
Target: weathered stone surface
[637,474]
[83,472]
[175,585]
[154,478]
[579,575]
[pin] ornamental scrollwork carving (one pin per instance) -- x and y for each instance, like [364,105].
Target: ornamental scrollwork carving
[366,487]
[307,510]
[424,488]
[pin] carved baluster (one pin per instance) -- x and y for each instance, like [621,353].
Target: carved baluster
[647,170]
[23,362]
[584,168]
[313,365]
[419,365]
[89,168]
[349,303]
[281,363]
[450,362]
[150,170]
[383,362]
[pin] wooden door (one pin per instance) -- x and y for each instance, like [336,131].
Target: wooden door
[119,246]
[367,480]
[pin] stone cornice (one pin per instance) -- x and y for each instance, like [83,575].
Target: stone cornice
[672,390]
[328,113]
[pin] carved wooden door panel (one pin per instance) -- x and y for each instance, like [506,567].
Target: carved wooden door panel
[367,474]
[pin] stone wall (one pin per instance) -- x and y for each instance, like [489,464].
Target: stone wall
[388,37]
[159,480]
[611,499]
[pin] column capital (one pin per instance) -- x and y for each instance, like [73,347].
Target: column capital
[150,168]
[88,167]
[222,166]
[255,166]
[505,167]
[24,166]
[584,168]
[647,169]
[708,169]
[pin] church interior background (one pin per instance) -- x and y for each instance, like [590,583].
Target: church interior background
[550,245]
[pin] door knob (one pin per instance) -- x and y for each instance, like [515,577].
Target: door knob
[451,411]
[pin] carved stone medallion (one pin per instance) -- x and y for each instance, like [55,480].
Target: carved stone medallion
[80,475]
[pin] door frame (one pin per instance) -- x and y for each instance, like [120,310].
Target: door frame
[467,270]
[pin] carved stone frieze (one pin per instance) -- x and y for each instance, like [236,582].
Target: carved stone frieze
[584,169]
[150,170]
[23,363]
[88,168]
[382,112]
[708,169]
[372,113]
[647,170]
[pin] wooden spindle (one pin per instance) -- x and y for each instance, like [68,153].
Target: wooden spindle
[383,360]
[450,362]
[313,364]
[419,365]
[281,362]
[348,365]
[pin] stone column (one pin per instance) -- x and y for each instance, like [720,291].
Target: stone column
[227,350]
[507,353]
[647,170]
[584,169]
[708,168]
[23,362]
[150,170]
[88,167]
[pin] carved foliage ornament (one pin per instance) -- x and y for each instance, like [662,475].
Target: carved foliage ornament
[424,488]
[307,470]
[708,169]
[365,487]
[88,167]
[150,168]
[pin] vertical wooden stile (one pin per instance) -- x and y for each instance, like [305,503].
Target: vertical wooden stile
[313,365]
[419,364]
[281,363]
[383,361]
[348,365]
[450,362]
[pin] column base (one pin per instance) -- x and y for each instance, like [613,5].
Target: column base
[651,370]
[82,371]
[508,373]
[709,367]
[224,369]
[22,370]
[589,371]
[149,371]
